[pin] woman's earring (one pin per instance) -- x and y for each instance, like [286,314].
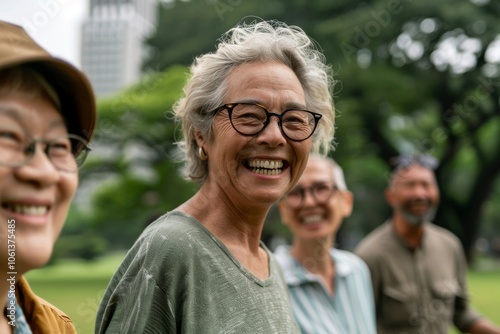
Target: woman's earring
[202,154]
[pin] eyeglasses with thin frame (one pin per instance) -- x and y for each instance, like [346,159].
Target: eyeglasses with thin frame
[321,192]
[249,119]
[67,153]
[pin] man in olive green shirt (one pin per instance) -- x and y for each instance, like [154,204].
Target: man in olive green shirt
[418,269]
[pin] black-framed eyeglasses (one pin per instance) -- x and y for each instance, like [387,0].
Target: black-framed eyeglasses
[249,119]
[405,161]
[67,153]
[321,192]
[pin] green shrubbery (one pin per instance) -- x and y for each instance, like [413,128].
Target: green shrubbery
[84,246]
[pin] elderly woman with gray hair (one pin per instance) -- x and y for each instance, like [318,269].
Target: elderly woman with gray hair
[251,113]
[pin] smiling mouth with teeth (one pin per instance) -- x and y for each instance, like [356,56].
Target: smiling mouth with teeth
[312,219]
[32,210]
[266,167]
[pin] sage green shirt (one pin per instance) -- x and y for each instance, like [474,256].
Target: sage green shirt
[417,291]
[179,278]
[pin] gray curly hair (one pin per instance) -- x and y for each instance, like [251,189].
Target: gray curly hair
[261,41]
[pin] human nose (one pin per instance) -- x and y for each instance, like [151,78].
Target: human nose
[272,133]
[421,192]
[39,168]
[308,197]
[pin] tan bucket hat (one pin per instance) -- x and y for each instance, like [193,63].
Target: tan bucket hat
[72,86]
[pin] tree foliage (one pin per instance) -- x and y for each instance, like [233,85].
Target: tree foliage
[420,81]
[413,77]
[135,159]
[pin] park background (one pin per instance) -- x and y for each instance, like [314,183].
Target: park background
[412,77]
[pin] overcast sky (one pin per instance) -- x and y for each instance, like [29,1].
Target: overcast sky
[55,24]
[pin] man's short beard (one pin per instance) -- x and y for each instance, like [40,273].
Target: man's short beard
[416,220]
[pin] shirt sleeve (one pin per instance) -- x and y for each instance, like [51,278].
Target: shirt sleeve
[370,304]
[135,305]
[371,262]
[463,316]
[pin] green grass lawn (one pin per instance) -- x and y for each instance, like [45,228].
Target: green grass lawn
[484,290]
[77,288]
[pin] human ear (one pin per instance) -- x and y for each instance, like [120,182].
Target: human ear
[283,212]
[389,195]
[348,202]
[200,140]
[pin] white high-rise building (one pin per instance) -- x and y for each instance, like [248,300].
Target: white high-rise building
[112,42]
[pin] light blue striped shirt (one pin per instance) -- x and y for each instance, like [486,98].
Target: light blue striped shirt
[350,311]
[21,324]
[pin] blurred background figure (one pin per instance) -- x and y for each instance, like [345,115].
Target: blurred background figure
[418,269]
[330,288]
[47,117]
[251,113]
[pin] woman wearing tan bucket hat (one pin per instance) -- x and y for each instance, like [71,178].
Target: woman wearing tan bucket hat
[47,116]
